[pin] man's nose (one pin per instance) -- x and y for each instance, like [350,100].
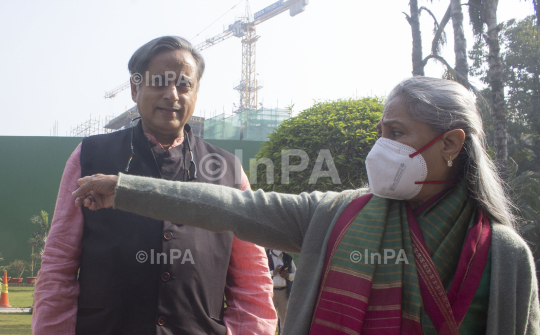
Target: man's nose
[171,93]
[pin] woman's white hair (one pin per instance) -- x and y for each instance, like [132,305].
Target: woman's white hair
[446,105]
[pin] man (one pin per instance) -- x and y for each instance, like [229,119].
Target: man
[282,270]
[138,275]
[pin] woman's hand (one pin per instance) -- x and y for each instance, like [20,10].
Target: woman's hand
[96,191]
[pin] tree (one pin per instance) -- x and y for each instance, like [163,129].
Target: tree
[454,12]
[460,43]
[439,39]
[39,237]
[347,128]
[18,266]
[521,76]
[520,57]
[484,12]
[418,63]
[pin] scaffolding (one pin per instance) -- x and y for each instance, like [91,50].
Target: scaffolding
[91,127]
[54,131]
[123,121]
[247,125]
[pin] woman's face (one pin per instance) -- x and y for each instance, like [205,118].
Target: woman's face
[397,125]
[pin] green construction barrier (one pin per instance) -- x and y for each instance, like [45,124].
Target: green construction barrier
[30,172]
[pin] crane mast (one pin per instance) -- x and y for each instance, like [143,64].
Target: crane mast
[244,28]
[248,86]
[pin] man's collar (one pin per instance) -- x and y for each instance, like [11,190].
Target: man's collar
[153,140]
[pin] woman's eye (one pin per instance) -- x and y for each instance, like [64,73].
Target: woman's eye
[396,133]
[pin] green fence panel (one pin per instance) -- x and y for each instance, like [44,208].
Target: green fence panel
[30,172]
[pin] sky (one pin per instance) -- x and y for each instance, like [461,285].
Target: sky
[60,57]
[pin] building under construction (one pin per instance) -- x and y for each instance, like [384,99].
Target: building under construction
[247,125]
[124,121]
[93,126]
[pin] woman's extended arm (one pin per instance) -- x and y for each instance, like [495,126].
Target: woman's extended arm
[272,220]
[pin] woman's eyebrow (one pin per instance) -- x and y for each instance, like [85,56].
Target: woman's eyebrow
[390,122]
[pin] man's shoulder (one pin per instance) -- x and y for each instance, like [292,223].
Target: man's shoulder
[106,138]
[105,148]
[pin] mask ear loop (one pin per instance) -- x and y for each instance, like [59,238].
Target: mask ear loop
[424,148]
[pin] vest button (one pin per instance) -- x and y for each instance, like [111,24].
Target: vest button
[161,320]
[165,276]
[168,236]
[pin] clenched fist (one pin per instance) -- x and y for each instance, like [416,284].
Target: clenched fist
[96,191]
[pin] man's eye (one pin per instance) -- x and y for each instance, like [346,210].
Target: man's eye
[157,82]
[396,133]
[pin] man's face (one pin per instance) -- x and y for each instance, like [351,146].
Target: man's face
[167,95]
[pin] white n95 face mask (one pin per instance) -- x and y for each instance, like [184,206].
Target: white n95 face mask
[397,171]
[392,172]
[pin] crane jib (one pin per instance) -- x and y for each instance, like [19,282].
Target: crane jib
[268,9]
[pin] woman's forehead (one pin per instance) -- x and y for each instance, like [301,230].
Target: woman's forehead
[394,109]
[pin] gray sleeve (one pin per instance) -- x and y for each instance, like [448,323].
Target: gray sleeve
[273,220]
[513,300]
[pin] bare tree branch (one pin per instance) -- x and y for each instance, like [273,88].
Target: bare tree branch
[467,84]
[407,17]
[430,13]
[440,59]
[440,35]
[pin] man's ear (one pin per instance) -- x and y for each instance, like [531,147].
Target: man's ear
[453,142]
[134,90]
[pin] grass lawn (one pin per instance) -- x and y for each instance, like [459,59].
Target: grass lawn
[21,296]
[17,323]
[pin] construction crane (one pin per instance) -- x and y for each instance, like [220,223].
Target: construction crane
[243,28]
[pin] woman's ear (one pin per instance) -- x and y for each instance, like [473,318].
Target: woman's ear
[453,142]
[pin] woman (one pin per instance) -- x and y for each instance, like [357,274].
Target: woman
[437,214]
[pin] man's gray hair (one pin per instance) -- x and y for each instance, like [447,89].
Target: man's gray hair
[445,105]
[141,58]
